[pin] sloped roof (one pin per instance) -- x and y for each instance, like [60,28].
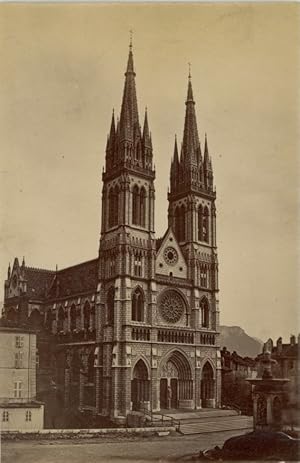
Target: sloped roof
[76,279]
[38,281]
[158,243]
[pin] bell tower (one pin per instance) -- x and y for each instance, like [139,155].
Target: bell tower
[127,245]
[192,216]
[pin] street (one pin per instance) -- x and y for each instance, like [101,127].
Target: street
[141,449]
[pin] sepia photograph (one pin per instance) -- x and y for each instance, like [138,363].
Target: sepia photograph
[149,224]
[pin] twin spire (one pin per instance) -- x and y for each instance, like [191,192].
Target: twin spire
[190,171]
[128,145]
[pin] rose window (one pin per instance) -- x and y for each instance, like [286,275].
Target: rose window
[171,306]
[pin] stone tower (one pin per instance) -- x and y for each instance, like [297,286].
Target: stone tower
[127,244]
[192,216]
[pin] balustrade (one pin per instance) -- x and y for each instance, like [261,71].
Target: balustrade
[182,337]
[140,334]
[208,339]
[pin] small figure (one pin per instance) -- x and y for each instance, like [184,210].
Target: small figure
[169,392]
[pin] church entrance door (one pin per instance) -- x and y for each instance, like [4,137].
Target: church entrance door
[174,392]
[164,393]
[176,384]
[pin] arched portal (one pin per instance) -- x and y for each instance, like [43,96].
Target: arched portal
[207,386]
[176,383]
[140,386]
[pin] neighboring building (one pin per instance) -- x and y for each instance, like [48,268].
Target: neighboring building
[137,326]
[18,406]
[236,390]
[287,365]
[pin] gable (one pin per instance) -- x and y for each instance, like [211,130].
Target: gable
[169,258]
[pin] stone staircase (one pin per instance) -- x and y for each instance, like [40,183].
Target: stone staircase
[211,420]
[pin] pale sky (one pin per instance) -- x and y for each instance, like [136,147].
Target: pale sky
[62,72]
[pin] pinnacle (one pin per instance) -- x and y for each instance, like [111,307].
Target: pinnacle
[146,133]
[176,160]
[205,149]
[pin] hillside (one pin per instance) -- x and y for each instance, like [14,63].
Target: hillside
[235,338]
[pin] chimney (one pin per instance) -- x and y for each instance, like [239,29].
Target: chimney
[292,340]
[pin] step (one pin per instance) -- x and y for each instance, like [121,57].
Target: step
[223,424]
[199,414]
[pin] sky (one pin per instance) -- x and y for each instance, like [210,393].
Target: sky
[62,72]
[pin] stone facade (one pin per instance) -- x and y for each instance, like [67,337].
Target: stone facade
[138,326]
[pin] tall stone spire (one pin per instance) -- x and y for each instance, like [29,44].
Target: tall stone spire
[129,119]
[191,144]
[127,146]
[193,173]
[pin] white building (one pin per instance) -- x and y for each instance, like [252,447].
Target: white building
[18,407]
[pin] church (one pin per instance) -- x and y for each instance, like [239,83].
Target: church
[137,327]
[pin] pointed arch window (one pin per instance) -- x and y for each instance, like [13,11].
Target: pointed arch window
[200,225]
[135,205]
[113,206]
[138,264]
[110,306]
[138,206]
[137,310]
[205,225]
[86,315]
[204,276]
[35,318]
[180,223]
[60,319]
[142,206]
[73,318]
[204,306]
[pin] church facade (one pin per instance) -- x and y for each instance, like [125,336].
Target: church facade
[137,327]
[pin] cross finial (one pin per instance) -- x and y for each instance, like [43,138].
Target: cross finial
[190,70]
[130,42]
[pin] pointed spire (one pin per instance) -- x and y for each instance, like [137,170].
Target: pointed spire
[23,262]
[190,96]
[191,144]
[8,271]
[129,119]
[146,133]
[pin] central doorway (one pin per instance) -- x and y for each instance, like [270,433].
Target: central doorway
[176,384]
[168,393]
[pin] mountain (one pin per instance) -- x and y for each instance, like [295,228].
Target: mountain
[235,338]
